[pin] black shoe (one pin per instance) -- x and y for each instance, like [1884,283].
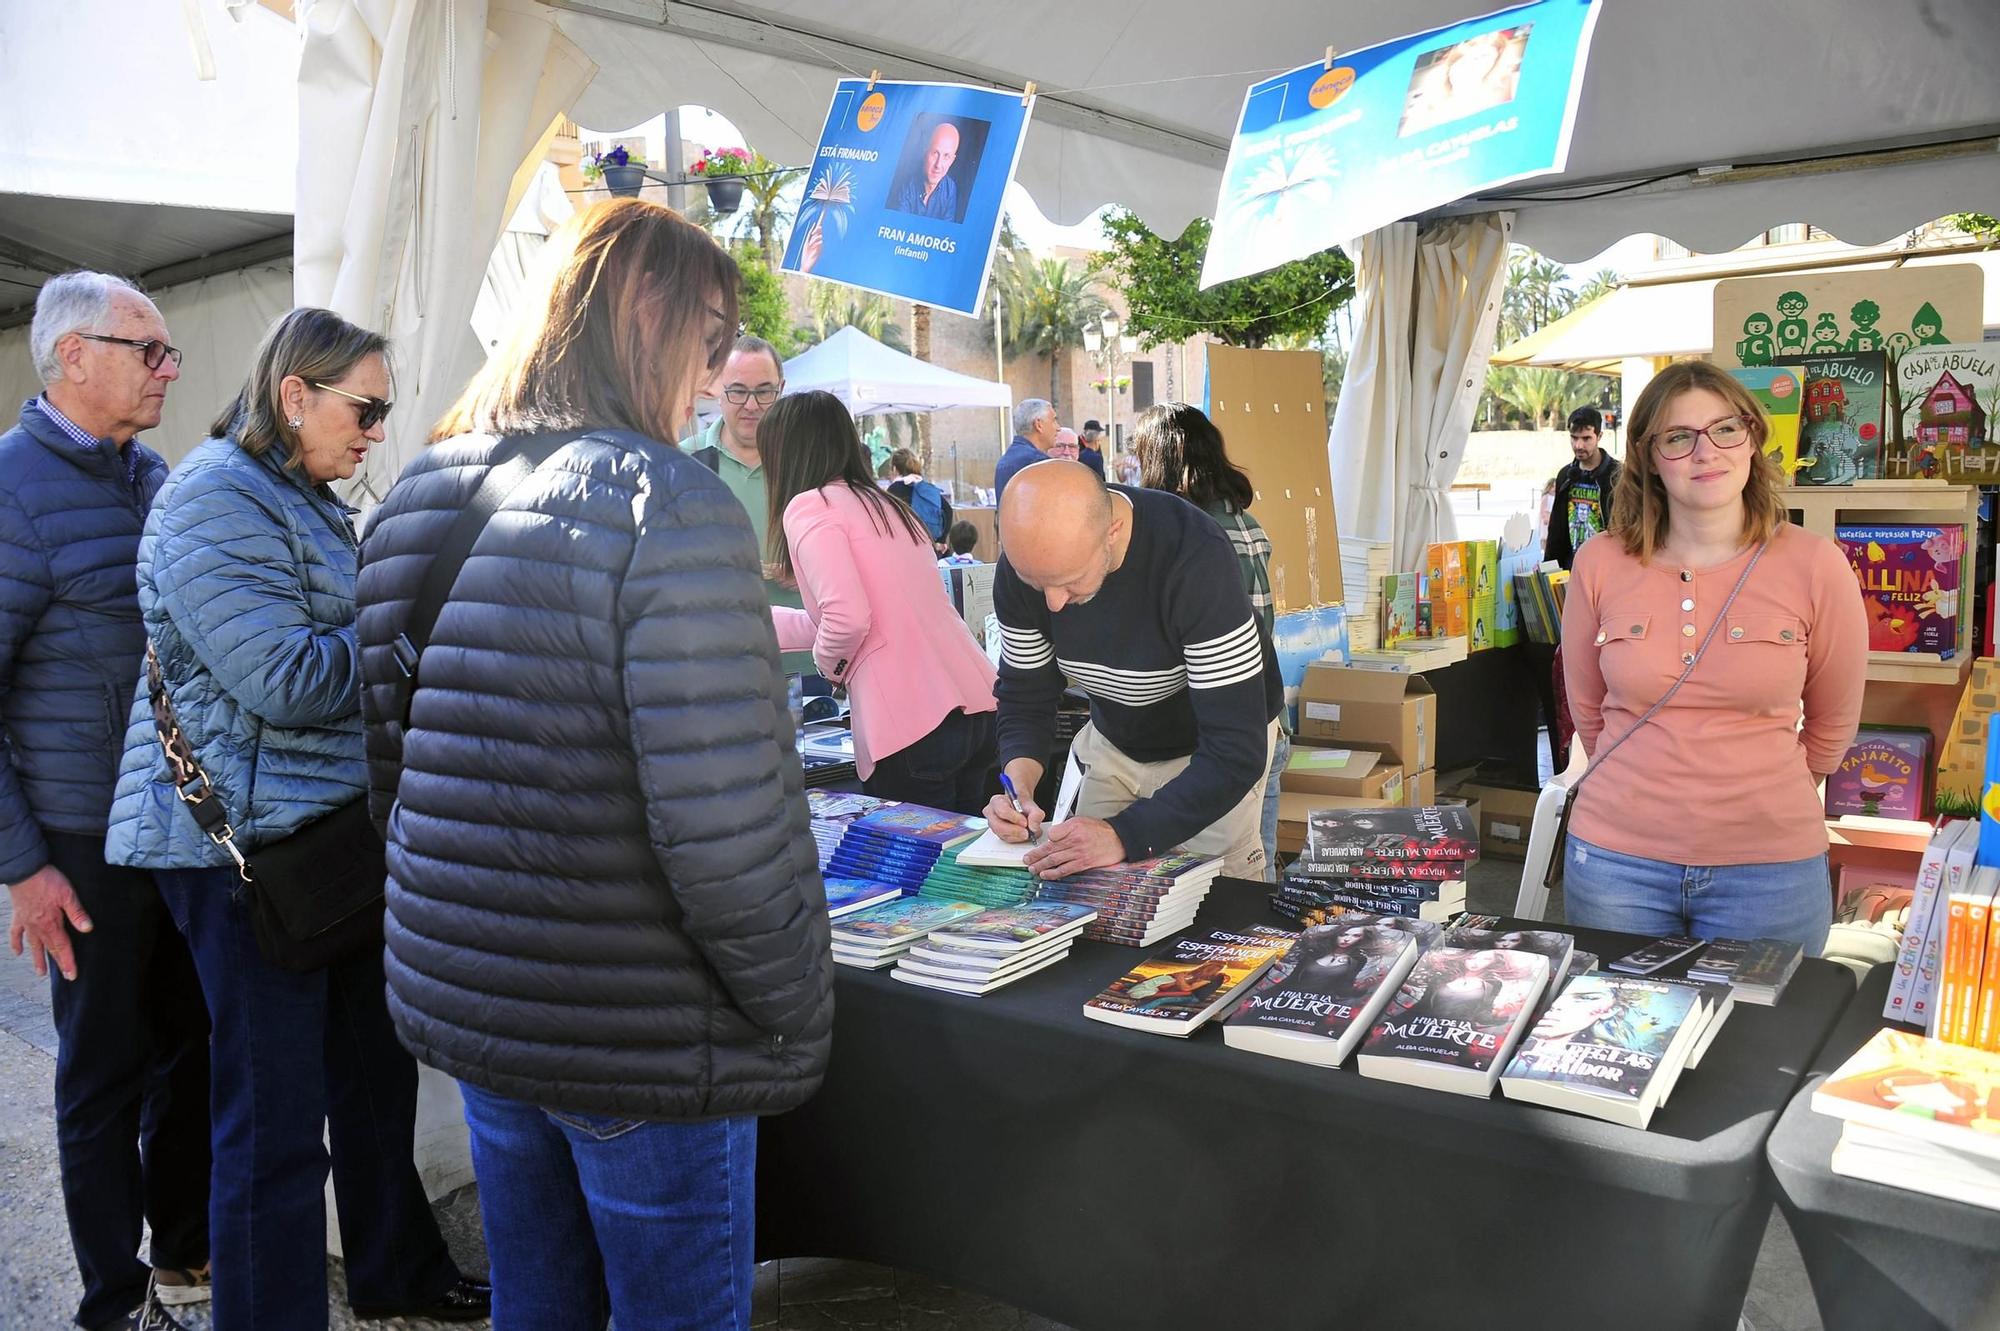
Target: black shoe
[467,1300]
[149,1315]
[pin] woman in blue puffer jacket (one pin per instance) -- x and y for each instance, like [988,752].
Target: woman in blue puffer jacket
[246,585]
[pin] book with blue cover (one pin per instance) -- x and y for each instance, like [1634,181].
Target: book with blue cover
[914,822]
[1609,1047]
[844,896]
[895,925]
[1014,928]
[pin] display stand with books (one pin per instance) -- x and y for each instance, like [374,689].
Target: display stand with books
[1885,1256]
[1409,862]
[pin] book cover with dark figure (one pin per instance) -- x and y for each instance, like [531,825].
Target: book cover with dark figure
[1440,832]
[1460,1010]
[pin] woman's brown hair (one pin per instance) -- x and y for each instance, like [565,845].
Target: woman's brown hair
[1639,504]
[628,293]
[807,442]
[319,347]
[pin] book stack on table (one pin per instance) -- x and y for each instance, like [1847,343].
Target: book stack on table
[1408,862]
[983,869]
[832,812]
[1142,902]
[878,936]
[898,844]
[1920,1114]
[1180,987]
[993,948]
[1756,970]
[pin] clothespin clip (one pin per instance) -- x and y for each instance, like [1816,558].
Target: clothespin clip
[1028,93]
[873,75]
[1329,57]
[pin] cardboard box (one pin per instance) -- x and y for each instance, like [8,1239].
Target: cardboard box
[1420,789]
[1358,773]
[1506,817]
[1293,808]
[1392,714]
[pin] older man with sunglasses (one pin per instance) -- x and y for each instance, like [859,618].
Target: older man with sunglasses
[132,1122]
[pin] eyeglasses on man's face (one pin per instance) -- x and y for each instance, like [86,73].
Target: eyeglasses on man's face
[1675,444]
[374,410]
[151,350]
[737,394]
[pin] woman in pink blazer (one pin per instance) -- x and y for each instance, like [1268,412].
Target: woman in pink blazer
[876,616]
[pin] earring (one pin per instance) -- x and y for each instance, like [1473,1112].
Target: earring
[296,421]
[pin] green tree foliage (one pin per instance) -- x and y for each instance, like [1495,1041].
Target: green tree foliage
[1532,396]
[1045,304]
[1161,282]
[760,301]
[1977,225]
[831,307]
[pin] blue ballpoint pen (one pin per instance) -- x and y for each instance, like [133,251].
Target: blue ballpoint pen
[1007,784]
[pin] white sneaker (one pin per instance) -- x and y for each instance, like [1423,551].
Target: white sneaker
[179,1289]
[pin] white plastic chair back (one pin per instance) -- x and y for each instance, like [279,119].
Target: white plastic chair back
[1532,901]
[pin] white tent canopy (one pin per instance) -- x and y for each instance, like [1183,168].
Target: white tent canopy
[869,378]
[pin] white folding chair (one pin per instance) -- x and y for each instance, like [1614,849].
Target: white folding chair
[1532,901]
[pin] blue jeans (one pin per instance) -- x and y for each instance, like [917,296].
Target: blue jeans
[295,1059]
[1603,889]
[1281,756]
[590,1217]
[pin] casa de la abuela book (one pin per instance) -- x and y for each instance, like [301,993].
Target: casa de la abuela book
[1175,990]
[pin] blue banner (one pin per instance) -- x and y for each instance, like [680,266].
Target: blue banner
[906,187]
[1334,150]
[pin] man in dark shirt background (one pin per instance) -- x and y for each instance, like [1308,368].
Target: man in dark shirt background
[1091,440]
[1583,489]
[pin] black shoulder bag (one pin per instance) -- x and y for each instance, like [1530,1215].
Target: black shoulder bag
[1560,850]
[316,896]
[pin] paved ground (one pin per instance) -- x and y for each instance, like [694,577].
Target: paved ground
[38,1285]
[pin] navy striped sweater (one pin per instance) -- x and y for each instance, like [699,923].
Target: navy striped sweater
[1174,660]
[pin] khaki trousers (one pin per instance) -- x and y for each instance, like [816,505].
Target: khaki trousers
[1114,781]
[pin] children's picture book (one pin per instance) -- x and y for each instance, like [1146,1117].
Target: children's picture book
[1910,579]
[1840,429]
[1445,572]
[1947,397]
[1317,1002]
[1433,832]
[1455,1021]
[1608,1047]
[1174,991]
[1780,393]
[898,924]
[917,823]
[1883,774]
[1399,608]
[1945,1094]
[1014,928]
[844,896]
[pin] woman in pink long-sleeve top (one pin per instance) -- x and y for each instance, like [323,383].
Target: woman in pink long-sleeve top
[1708,821]
[876,617]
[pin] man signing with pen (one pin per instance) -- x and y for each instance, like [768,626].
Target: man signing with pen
[1137,597]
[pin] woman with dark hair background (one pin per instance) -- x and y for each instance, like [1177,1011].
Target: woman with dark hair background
[875,615]
[1182,452]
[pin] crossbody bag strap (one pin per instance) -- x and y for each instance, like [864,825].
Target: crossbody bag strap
[516,459]
[191,783]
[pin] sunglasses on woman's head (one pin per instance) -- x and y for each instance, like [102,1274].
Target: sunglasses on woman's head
[374,410]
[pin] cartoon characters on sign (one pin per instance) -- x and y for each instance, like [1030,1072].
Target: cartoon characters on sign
[1865,336]
[1791,330]
[1927,327]
[1826,337]
[1755,347]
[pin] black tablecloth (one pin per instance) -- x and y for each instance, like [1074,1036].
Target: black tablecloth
[1879,1257]
[1117,1179]
[1488,710]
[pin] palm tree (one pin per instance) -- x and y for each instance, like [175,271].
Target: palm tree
[1046,304]
[765,207]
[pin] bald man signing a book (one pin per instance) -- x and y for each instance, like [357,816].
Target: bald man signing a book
[1136,596]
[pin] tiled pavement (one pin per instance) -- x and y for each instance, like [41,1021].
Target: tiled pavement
[38,1280]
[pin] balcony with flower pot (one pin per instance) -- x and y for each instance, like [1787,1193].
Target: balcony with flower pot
[722,171]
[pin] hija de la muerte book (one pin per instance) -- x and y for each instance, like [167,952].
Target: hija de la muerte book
[1910,579]
[1437,832]
[1456,1018]
[1189,980]
[1317,1001]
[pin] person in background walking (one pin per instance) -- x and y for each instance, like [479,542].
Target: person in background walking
[876,616]
[922,498]
[1180,451]
[1091,447]
[131,1026]
[1585,489]
[246,581]
[605,910]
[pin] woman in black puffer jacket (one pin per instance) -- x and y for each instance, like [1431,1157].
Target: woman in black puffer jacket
[605,916]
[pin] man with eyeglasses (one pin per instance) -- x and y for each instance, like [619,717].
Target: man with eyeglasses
[132,1122]
[752,379]
[1583,489]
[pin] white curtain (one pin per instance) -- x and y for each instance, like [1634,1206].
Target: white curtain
[421,123]
[1429,305]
